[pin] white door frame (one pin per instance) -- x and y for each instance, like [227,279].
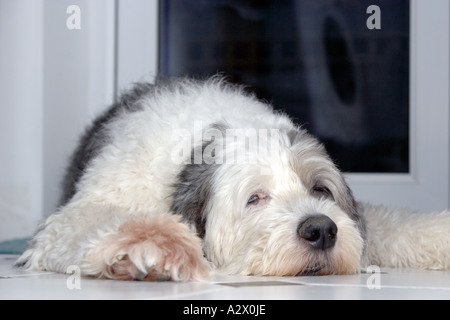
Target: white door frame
[137,42]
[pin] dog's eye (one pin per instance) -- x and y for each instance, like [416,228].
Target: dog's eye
[258,198]
[322,191]
[253,199]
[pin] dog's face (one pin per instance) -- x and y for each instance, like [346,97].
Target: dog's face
[283,211]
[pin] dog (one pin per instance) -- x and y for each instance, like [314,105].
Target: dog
[184,176]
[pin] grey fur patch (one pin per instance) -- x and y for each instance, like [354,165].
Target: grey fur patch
[347,203]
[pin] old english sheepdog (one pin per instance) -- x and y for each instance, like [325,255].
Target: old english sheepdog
[181,177]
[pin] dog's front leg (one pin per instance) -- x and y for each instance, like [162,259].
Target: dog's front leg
[113,243]
[146,247]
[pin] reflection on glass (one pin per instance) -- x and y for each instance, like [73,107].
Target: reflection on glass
[315,59]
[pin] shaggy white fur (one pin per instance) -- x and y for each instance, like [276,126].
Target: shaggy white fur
[181,177]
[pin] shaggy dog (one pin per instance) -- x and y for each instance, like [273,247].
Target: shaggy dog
[184,176]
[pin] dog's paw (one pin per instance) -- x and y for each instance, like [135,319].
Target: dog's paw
[153,249]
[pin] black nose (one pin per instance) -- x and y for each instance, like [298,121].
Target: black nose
[319,230]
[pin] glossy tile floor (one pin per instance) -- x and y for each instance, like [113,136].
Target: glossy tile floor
[391,284]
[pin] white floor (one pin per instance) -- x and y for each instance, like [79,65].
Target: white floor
[392,284]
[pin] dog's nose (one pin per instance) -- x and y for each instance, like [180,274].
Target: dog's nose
[319,230]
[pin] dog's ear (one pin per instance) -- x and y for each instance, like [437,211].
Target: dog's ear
[194,184]
[346,201]
[192,191]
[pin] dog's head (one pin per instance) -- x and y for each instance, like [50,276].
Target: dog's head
[278,208]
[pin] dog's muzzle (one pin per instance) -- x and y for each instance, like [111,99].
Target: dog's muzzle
[319,231]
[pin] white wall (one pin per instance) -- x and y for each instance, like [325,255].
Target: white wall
[78,81]
[52,82]
[21,106]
